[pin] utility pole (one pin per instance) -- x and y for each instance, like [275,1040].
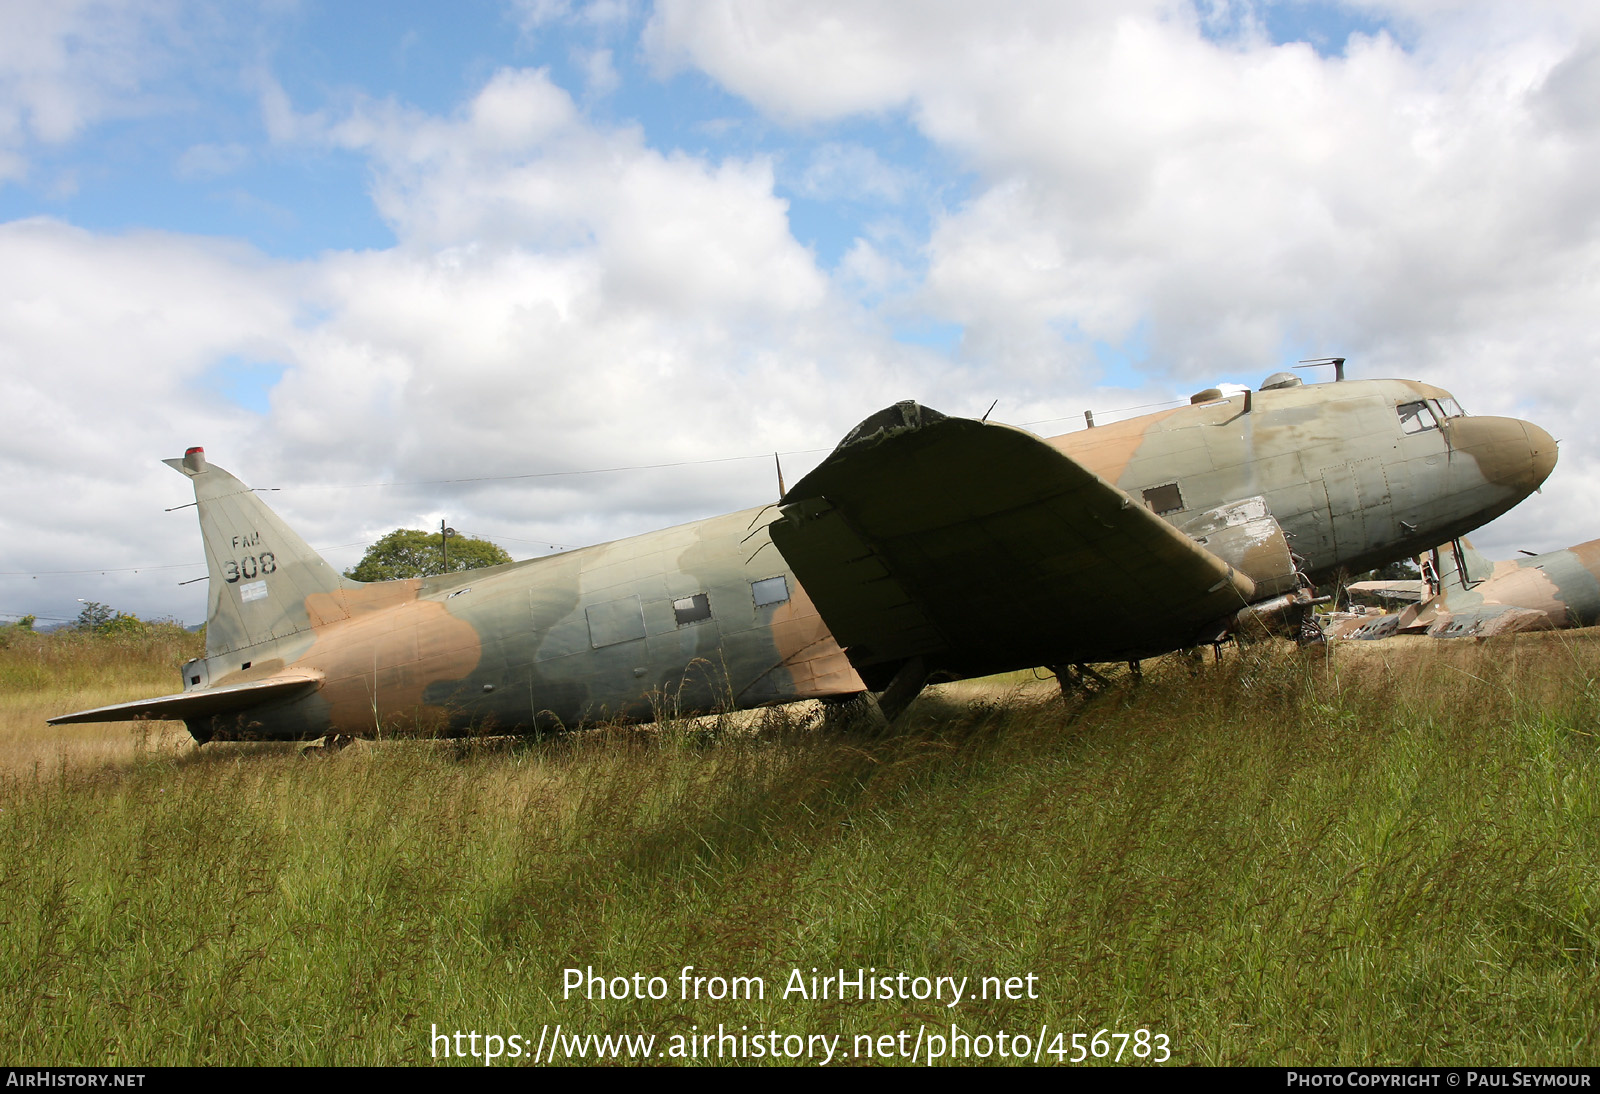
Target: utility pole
[444,544]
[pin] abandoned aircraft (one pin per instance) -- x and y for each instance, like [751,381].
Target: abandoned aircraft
[1462,594]
[923,546]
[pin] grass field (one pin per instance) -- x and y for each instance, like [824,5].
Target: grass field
[1389,856]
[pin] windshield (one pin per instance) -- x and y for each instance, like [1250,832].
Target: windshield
[1416,417]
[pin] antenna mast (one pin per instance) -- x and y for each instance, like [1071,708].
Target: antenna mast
[1316,362]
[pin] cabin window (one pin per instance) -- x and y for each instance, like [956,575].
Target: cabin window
[770,590]
[1447,408]
[1416,417]
[692,609]
[619,621]
[1164,499]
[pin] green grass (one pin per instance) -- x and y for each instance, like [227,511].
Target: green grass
[1392,858]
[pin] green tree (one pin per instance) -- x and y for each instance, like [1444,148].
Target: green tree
[94,617]
[99,618]
[11,631]
[1403,570]
[407,552]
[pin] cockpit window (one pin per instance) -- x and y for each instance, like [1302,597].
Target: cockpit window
[1416,417]
[1447,408]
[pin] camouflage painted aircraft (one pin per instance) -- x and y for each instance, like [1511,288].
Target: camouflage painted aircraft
[1463,594]
[923,546]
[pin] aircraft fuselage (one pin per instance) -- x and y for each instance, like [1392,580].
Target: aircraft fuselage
[709,615]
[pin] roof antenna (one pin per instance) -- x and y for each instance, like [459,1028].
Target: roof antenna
[1336,362]
[779,465]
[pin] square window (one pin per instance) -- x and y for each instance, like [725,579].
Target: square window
[614,622]
[770,590]
[1164,499]
[692,609]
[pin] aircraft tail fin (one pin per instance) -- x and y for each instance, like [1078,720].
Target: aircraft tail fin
[266,583]
[1460,565]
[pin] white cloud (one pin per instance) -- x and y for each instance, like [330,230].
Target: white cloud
[565,295]
[599,73]
[850,173]
[67,64]
[520,168]
[104,343]
[1425,209]
[868,270]
[211,161]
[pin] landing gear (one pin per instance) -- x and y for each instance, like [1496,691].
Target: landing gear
[1307,629]
[907,684]
[1076,680]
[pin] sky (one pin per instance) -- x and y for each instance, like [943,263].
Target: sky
[558,272]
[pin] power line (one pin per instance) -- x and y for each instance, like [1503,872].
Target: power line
[1122,410]
[506,478]
[548,474]
[100,570]
[103,570]
[647,466]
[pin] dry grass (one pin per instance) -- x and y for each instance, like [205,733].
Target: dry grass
[42,676]
[1391,856]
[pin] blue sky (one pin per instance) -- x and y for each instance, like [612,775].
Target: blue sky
[196,156]
[352,243]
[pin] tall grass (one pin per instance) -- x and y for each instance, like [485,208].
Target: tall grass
[43,675]
[1386,857]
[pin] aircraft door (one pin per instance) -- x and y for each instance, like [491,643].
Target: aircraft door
[1344,509]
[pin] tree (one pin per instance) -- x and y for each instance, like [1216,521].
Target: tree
[1403,570]
[10,631]
[99,618]
[94,617]
[407,552]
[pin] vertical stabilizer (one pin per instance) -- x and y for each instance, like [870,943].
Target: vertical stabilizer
[1461,566]
[266,583]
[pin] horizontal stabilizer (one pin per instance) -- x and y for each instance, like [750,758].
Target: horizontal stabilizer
[1489,620]
[1391,590]
[200,703]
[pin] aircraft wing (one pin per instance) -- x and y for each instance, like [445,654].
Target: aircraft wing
[978,546]
[201,703]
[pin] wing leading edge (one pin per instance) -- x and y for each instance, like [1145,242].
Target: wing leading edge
[980,548]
